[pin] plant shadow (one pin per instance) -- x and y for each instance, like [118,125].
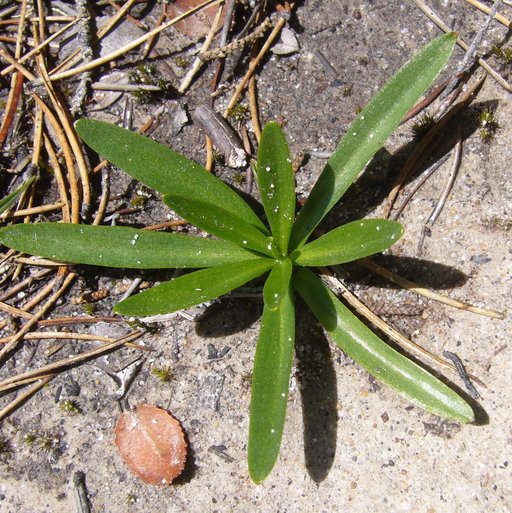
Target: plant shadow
[316,379]
[229,316]
[372,187]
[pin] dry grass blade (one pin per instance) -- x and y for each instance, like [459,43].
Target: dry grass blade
[134,44]
[442,25]
[409,285]
[482,7]
[254,64]
[21,398]
[66,362]
[38,48]
[28,325]
[420,154]
[70,166]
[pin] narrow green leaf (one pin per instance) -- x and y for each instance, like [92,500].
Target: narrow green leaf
[194,288]
[220,222]
[10,199]
[386,364]
[369,132]
[274,174]
[161,168]
[277,284]
[116,246]
[349,242]
[270,381]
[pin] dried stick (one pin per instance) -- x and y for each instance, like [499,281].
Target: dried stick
[388,330]
[253,106]
[254,64]
[28,325]
[75,57]
[16,312]
[442,25]
[15,64]
[12,103]
[70,166]
[151,41]
[409,285]
[66,362]
[105,191]
[451,180]
[32,210]
[38,48]
[23,284]
[62,321]
[57,171]
[21,398]
[497,16]
[198,62]
[45,335]
[464,64]
[136,42]
[71,135]
[413,160]
[421,180]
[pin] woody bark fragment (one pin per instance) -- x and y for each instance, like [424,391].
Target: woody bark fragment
[222,135]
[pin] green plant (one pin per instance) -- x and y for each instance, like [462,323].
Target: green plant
[10,199]
[250,248]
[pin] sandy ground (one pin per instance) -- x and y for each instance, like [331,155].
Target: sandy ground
[349,444]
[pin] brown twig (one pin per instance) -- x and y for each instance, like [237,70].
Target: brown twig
[419,154]
[442,25]
[409,285]
[28,325]
[388,330]
[66,362]
[254,64]
[75,195]
[21,398]
[134,44]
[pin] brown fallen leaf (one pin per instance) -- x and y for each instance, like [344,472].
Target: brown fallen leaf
[152,444]
[198,24]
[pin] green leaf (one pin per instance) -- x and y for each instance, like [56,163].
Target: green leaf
[349,242]
[270,381]
[369,132]
[10,199]
[194,288]
[277,284]
[386,364]
[274,174]
[116,246]
[219,222]
[161,168]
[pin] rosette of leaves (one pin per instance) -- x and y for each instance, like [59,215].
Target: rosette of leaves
[245,247]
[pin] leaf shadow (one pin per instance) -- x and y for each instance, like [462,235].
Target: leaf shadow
[372,187]
[316,377]
[424,273]
[229,316]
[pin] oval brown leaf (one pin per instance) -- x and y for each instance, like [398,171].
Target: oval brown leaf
[152,444]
